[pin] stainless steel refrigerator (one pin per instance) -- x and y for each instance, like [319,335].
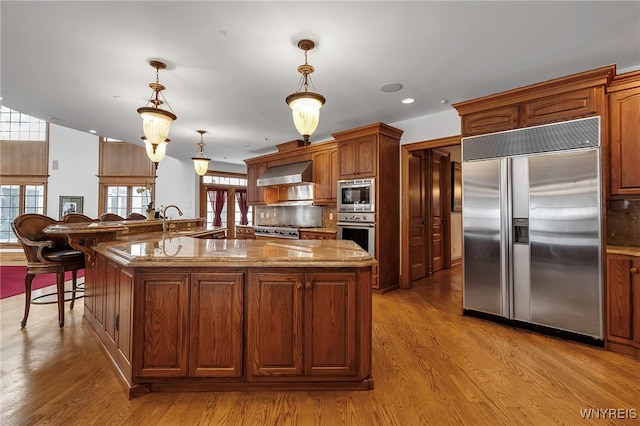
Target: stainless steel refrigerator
[532,234]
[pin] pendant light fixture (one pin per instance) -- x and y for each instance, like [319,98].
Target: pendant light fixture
[155,152]
[155,120]
[304,104]
[201,161]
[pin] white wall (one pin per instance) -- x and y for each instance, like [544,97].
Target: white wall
[77,156]
[427,127]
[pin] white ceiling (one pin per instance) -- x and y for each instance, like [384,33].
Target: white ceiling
[231,64]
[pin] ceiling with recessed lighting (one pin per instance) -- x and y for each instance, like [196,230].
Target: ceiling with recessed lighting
[84,64]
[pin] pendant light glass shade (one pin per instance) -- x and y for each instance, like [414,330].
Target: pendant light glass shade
[305,105]
[201,161]
[155,124]
[155,152]
[305,108]
[156,121]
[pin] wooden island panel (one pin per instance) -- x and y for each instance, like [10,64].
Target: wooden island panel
[183,314]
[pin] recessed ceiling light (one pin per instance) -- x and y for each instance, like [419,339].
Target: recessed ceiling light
[391,87]
[408,101]
[246,146]
[117,98]
[92,131]
[443,101]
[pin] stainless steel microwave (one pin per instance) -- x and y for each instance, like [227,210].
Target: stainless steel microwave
[357,195]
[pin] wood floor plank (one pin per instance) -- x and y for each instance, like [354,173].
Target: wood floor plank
[431,366]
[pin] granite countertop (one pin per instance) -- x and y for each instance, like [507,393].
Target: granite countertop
[121,227]
[162,251]
[625,250]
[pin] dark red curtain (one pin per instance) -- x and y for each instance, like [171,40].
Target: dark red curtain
[241,198]
[217,197]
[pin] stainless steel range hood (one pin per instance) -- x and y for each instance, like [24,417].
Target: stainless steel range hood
[288,174]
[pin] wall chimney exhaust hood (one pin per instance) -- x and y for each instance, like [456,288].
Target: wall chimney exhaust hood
[288,174]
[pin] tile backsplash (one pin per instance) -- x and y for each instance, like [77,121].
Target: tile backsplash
[623,223]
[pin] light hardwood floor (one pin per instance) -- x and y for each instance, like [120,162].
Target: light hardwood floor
[431,366]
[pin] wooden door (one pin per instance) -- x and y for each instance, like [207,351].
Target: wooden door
[439,200]
[330,324]
[275,321]
[418,217]
[216,327]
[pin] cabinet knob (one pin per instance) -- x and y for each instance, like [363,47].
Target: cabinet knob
[299,285]
[308,284]
[633,270]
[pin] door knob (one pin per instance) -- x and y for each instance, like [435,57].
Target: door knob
[633,270]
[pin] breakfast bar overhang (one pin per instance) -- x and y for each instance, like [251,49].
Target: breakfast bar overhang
[178,313]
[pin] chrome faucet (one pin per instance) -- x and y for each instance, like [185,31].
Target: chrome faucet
[164,216]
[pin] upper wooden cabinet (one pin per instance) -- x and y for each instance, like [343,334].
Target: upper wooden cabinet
[576,96]
[325,175]
[624,131]
[491,121]
[358,158]
[255,194]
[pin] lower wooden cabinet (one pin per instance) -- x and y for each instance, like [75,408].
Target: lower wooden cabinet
[302,324]
[216,324]
[232,328]
[161,318]
[245,233]
[623,295]
[317,235]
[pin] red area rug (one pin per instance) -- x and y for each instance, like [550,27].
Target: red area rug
[12,280]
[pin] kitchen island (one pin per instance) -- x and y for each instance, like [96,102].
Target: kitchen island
[177,313]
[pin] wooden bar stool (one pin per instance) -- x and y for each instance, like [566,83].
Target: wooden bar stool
[46,254]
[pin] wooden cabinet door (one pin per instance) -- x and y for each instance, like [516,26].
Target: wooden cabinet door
[216,326]
[358,158]
[623,283]
[562,107]
[99,287]
[347,159]
[89,288]
[275,321]
[124,319]
[635,303]
[367,156]
[255,194]
[493,120]
[111,300]
[161,323]
[624,126]
[330,324]
[325,176]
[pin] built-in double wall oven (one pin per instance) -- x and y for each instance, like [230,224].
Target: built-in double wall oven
[356,213]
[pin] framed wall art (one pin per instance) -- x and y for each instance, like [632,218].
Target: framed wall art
[71,204]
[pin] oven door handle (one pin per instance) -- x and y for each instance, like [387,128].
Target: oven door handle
[357,224]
